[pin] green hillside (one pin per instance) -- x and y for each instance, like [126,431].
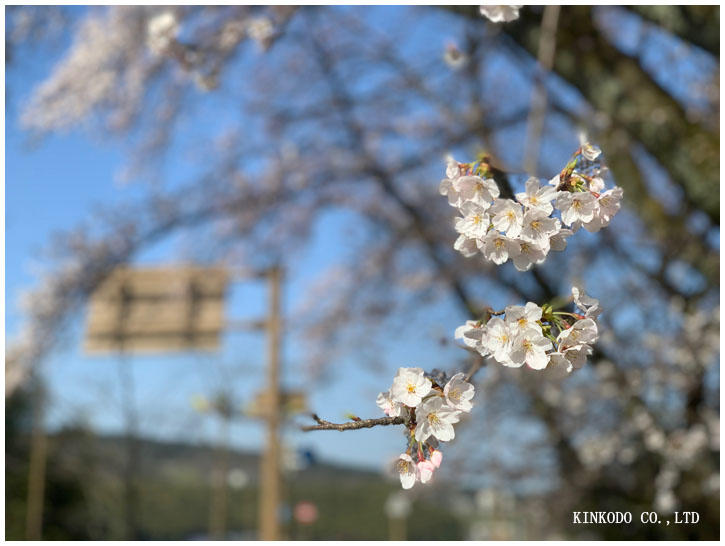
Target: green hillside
[85,494]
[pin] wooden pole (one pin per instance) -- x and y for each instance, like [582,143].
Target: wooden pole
[270,475]
[396,527]
[36,469]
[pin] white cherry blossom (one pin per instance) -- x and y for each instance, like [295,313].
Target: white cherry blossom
[386,403]
[610,202]
[578,206]
[577,355]
[466,246]
[596,184]
[446,188]
[475,188]
[596,223]
[408,471]
[410,386]
[529,346]
[538,227]
[474,223]
[571,358]
[537,197]
[435,418]
[498,341]
[498,248]
[520,318]
[458,393]
[500,14]
[590,152]
[589,305]
[453,168]
[558,241]
[559,364]
[582,331]
[507,216]
[529,254]
[471,333]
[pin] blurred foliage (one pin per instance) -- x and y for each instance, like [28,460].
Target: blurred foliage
[66,508]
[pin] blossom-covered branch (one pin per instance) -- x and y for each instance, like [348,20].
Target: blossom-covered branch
[429,404]
[525,230]
[537,335]
[427,409]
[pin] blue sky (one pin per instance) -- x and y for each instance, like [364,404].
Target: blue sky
[53,185]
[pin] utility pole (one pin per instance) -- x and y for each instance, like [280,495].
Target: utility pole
[270,475]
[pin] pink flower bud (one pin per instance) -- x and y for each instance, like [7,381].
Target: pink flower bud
[436,457]
[425,470]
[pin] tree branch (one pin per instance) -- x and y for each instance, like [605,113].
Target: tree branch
[352,425]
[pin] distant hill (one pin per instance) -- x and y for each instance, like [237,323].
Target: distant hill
[173,481]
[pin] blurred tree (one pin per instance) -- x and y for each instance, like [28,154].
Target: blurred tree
[353,109]
[66,511]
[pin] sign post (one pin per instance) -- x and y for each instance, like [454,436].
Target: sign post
[157,310]
[178,309]
[152,310]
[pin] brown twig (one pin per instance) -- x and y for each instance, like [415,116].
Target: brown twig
[353,425]
[477,364]
[490,310]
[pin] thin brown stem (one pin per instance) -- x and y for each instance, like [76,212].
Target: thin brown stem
[352,425]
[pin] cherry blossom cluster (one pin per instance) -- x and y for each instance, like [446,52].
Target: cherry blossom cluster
[429,411]
[536,336]
[525,230]
[500,14]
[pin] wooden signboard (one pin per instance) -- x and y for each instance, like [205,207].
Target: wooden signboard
[155,310]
